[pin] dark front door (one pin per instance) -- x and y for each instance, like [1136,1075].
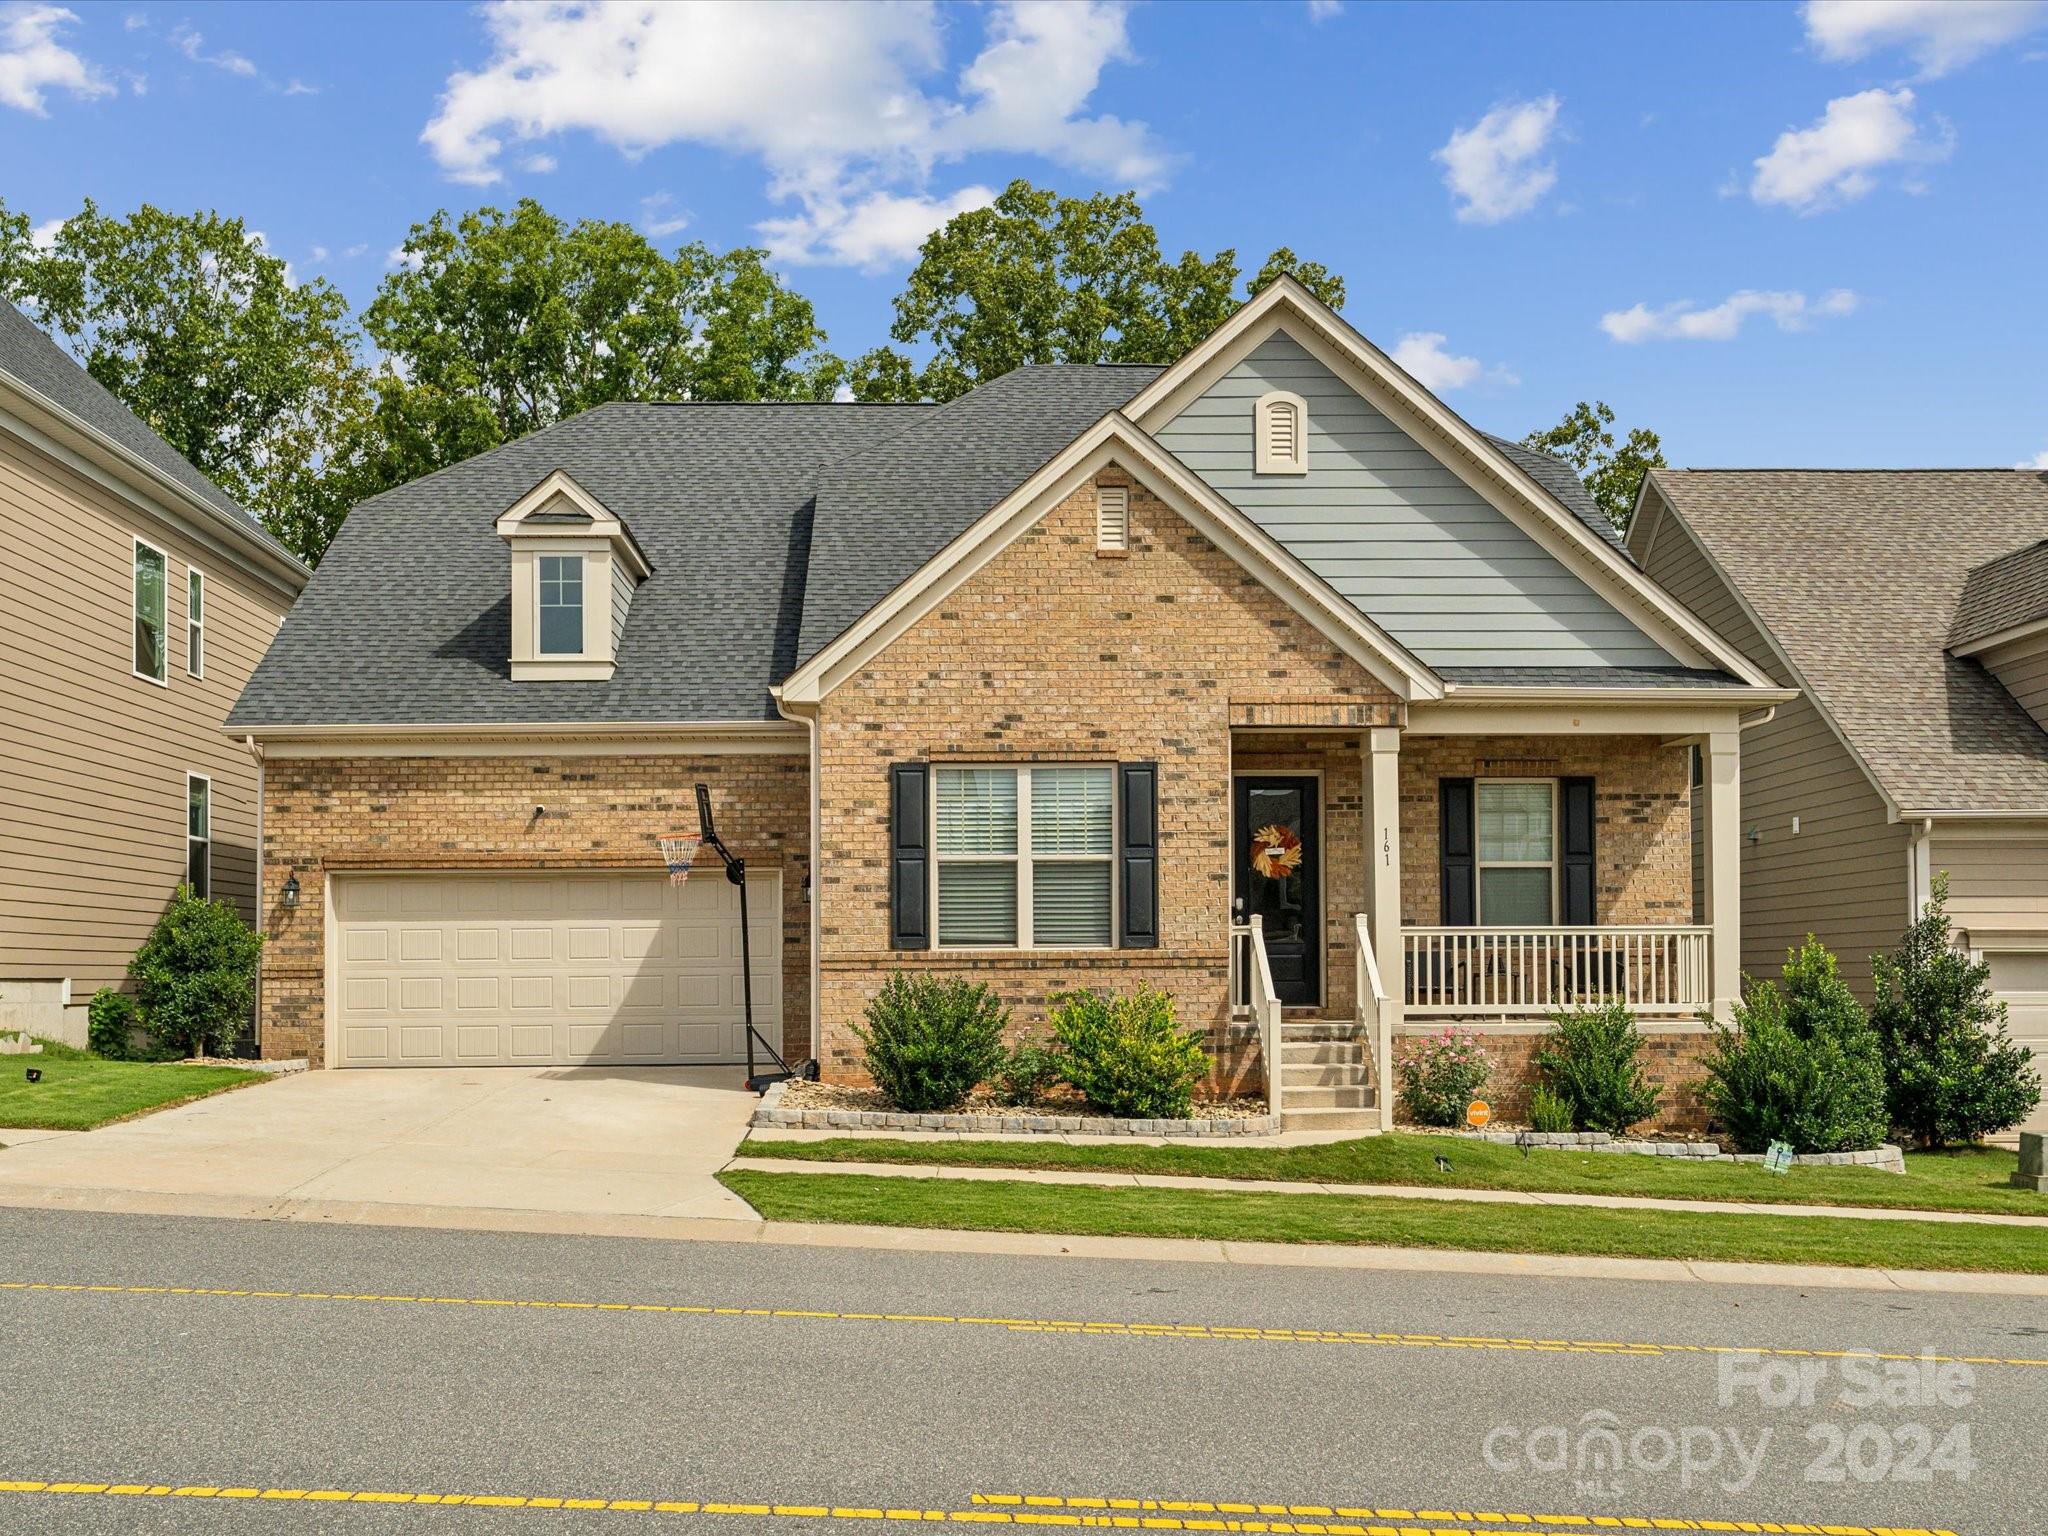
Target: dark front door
[1279,878]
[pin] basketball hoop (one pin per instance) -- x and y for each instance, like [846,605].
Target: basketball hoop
[679,851]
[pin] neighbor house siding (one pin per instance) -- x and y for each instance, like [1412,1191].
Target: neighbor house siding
[1997,882]
[92,799]
[1387,524]
[1842,875]
[2022,667]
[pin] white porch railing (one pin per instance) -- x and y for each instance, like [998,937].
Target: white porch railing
[1252,996]
[1373,1022]
[1654,969]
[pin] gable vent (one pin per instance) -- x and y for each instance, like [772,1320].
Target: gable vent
[1280,434]
[1112,519]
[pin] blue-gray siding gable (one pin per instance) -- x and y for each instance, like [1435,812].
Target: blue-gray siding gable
[1393,529]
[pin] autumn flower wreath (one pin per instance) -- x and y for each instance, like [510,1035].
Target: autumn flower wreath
[1276,852]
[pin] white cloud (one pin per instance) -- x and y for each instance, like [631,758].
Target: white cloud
[538,165]
[1494,168]
[659,215]
[1320,11]
[297,87]
[32,61]
[44,236]
[353,252]
[2038,461]
[872,230]
[319,254]
[1941,35]
[1422,354]
[1837,159]
[188,41]
[837,101]
[1686,321]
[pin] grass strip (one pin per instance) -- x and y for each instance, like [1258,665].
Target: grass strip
[1970,1179]
[80,1091]
[1001,1206]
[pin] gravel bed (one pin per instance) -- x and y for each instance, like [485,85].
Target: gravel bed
[833,1106]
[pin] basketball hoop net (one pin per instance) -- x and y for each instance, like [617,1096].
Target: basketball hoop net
[678,851]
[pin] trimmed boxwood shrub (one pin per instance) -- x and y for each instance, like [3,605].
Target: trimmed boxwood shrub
[1801,1064]
[1590,1060]
[195,976]
[929,1042]
[1127,1055]
[1442,1076]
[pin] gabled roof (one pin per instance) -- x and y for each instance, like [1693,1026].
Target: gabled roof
[1859,576]
[38,365]
[2000,595]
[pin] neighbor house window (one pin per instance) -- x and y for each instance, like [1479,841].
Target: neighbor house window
[1517,852]
[1280,434]
[149,612]
[1024,857]
[561,605]
[199,834]
[195,623]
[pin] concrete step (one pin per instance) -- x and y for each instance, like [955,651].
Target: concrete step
[1322,1074]
[1344,1096]
[1318,1029]
[1292,1119]
[1297,1052]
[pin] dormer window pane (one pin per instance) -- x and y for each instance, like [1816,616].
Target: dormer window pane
[561,605]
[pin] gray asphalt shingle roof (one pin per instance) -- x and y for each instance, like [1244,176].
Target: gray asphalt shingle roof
[1563,482]
[1859,575]
[771,528]
[50,371]
[2002,594]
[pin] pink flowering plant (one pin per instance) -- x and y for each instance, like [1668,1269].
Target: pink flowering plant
[1443,1075]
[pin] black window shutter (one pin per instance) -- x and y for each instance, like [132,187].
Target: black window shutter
[1575,870]
[1138,857]
[1457,871]
[909,856]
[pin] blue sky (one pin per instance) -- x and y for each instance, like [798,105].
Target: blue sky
[1778,234]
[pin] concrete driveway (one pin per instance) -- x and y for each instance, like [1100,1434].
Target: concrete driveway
[587,1141]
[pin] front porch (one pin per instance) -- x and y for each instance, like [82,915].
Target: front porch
[1459,875]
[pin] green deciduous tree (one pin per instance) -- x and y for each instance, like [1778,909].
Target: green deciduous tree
[495,324]
[1613,471]
[202,332]
[1036,277]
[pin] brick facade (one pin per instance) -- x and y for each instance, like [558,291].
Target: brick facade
[323,815]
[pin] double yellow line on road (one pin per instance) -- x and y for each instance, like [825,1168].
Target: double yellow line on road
[1211,1332]
[1010,1509]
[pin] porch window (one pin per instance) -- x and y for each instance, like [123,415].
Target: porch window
[1024,857]
[1517,852]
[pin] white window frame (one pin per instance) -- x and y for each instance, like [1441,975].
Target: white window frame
[1264,461]
[1481,866]
[195,621]
[583,563]
[1024,859]
[135,614]
[205,839]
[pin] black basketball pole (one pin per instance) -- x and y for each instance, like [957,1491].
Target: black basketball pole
[736,872]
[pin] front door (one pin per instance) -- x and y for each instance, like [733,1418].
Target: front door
[1279,878]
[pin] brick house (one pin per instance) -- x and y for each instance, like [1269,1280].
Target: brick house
[1262,678]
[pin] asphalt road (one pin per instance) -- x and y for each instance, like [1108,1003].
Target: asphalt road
[1111,1381]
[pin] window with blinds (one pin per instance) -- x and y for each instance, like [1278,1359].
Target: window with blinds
[1517,841]
[1112,519]
[1280,432]
[1024,857]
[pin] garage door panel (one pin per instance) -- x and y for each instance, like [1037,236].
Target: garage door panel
[2020,980]
[548,968]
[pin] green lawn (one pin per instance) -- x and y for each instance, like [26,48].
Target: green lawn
[80,1090]
[1385,1221]
[1975,1179]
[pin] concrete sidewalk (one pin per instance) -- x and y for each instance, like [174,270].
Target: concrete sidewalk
[1111,1180]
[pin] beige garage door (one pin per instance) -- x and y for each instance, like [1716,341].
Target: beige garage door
[537,969]
[2020,978]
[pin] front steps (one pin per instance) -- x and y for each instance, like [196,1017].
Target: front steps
[1325,1077]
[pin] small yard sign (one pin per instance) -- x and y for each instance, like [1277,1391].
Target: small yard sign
[1477,1113]
[1779,1158]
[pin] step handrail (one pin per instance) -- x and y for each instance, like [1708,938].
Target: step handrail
[1263,1001]
[1372,1019]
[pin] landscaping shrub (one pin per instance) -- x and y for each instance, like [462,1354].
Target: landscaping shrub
[1589,1061]
[1801,1065]
[195,976]
[1026,1072]
[1443,1076]
[110,1020]
[929,1042]
[1952,1074]
[1128,1055]
[1548,1111]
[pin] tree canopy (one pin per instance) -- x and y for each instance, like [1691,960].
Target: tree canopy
[1613,471]
[1036,277]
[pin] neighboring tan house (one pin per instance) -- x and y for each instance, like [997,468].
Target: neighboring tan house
[139,599]
[1256,678]
[1910,609]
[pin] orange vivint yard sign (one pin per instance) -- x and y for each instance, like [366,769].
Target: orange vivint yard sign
[1477,1113]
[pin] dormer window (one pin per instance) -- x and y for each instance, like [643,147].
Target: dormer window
[1280,434]
[574,569]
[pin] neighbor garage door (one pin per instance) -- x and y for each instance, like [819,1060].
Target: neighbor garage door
[2020,978]
[545,969]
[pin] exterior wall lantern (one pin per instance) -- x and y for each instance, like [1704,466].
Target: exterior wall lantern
[288,898]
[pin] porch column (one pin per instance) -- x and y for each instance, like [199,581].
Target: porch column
[1383,900]
[1721,774]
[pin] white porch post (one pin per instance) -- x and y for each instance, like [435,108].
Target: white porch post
[1383,900]
[1722,775]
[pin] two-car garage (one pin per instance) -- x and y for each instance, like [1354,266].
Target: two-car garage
[543,968]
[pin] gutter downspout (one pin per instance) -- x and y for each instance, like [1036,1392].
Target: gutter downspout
[807,715]
[256,751]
